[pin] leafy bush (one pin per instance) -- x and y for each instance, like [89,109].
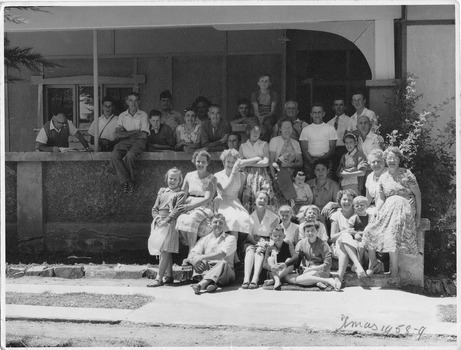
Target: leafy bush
[430,155]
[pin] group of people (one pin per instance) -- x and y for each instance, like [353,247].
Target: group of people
[292,196]
[226,218]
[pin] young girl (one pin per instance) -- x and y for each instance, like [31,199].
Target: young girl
[167,207]
[352,164]
[311,213]
[304,194]
[342,247]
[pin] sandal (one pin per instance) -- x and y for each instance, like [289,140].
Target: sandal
[253,286]
[377,268]
[268,283]
[211,288]
[196,288]
[338,284]
[245,285]
[156,283]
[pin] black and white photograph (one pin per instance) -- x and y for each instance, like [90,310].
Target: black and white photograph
[229,174]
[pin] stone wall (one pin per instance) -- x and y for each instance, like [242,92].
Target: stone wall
[68,204]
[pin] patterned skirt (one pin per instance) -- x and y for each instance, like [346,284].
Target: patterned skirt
[195,220]
[394,229]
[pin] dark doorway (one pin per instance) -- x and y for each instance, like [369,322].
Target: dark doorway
[322,66]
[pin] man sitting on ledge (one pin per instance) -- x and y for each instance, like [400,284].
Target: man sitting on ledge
[213,257]
[55,134]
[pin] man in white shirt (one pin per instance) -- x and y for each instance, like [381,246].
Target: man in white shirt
[133,129]
[342,124]
[291,111]
[318,141]
[358,101]
[107,124]
[213,257]
[367,141]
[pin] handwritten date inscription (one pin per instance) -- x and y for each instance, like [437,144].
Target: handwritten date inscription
[402,329]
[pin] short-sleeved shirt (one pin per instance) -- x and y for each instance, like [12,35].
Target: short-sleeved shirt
[106,127]
[353,159]
[276,146]
[225,243]
[264,104]
[247,150]
[322,231]
[325,194]
[368,112]
[137,122]
[263,228]
[371,142]
[303,192]
[342,124]
[318,137]
[317,253]
[358,223]
[43,138]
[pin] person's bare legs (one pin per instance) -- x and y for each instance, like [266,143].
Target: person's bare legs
[309,279]
[343,259]
[394,262]
[352,253]
[191,239]
[259,258]
[236,235]
[248,264]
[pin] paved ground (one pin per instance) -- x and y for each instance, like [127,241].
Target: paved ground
[372,310]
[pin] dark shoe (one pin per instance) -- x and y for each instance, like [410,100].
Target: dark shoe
[196,288]
[168,280]
[253,285]
[245,285]
[211,288]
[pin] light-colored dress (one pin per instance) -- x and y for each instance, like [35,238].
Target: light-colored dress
[196,220]
[228,204]
[263,228]
[343,224]
[188,137]
[395,227]
[257,177]
[168,205]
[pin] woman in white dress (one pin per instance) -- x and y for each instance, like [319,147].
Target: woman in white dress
[199,188]
[230,183]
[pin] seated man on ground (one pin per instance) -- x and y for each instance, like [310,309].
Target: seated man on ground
[213,257]
[315,257]
[54,135]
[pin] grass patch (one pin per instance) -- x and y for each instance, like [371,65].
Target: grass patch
[85,300]
[447,313]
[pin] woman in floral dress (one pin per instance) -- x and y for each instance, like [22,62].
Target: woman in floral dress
[398,214]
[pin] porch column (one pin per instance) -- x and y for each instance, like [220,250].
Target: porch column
[384,69]
[31,239]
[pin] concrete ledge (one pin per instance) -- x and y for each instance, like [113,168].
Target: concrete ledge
[70,314]
[95,156]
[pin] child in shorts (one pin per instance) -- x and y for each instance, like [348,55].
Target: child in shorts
[279,257]
[264,103]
